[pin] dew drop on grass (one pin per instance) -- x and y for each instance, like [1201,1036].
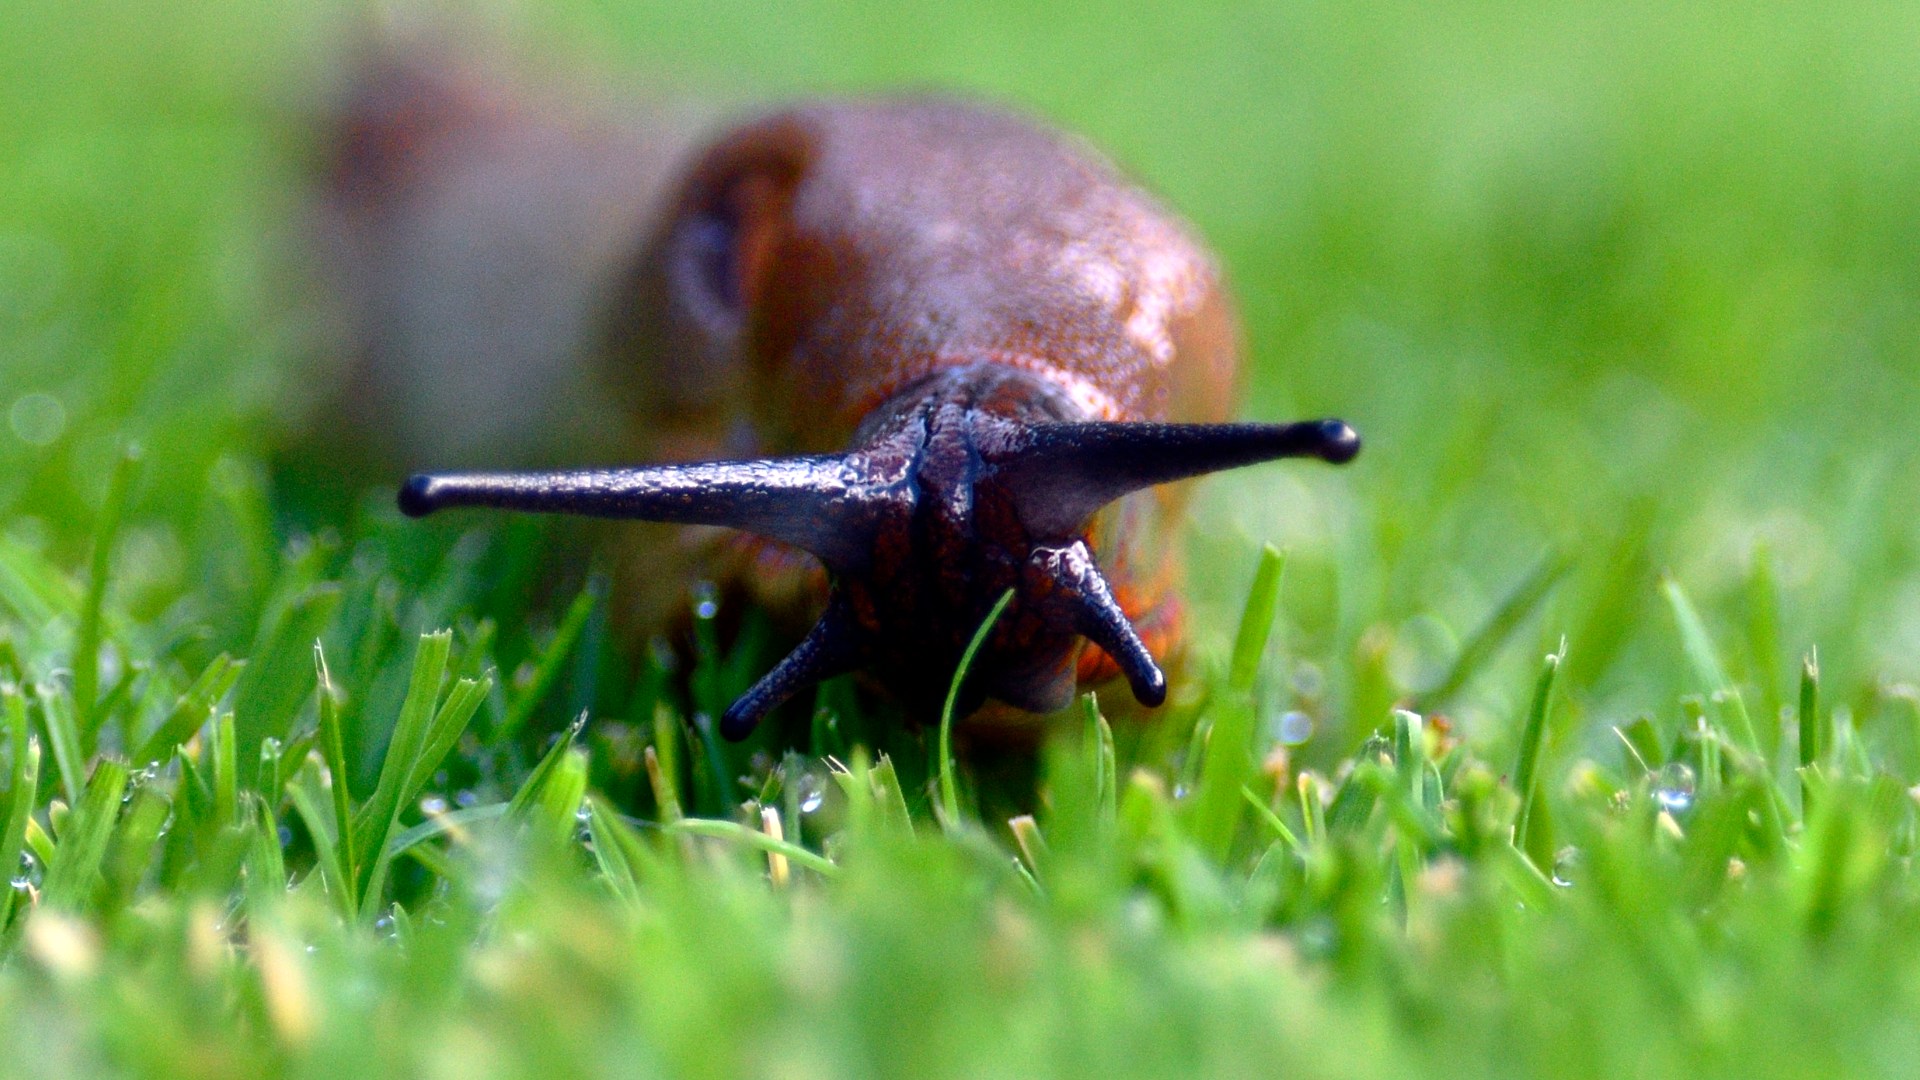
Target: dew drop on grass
[811,792]
[1673,787]
[465,798]
[28,875]
[1566,864]
[433,804]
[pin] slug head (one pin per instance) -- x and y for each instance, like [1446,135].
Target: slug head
[966,484]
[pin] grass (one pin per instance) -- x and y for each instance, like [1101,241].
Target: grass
[1527,767]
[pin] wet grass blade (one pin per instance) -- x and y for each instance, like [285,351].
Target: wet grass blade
[1705,659]
[23,781]
[333,751]
[1728,706]
[75,869]
[617,851]
[142,822]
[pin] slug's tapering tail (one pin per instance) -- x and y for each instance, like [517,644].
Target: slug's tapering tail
[836,505]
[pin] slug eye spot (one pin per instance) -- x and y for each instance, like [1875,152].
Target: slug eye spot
[724,248]
[707,267]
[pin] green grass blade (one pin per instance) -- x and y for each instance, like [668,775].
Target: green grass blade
[304,794]
[1728,706]
[1103,766]
[555,807]
[617,851]
[266,863]
[449,723]
[1705,659]
[75,870]
[1533,736]
[1354,800]
[441,824]
[1812,736]
[552,662]
[1273,821]
[226,771]
[949,790]
[1256,620]
[333,751]
[142,821]
[34,589]
[377,817]
[523,799]
[274,684]
[86,644]
[889,797]
[63,737]
[737,833]
[23,782]
[1213,813]
[193,709]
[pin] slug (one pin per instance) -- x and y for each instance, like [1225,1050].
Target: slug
[946,352]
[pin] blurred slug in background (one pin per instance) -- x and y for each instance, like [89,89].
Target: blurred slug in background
[939,349]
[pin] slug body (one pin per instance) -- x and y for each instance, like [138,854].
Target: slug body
[940,349]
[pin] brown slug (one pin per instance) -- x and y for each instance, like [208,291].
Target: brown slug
[943,349]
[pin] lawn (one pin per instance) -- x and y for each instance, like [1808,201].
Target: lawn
[1572,731]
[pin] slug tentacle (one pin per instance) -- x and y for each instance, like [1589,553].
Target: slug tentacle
[818,503]
[1079,592]
[1061,474]
[832,647]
